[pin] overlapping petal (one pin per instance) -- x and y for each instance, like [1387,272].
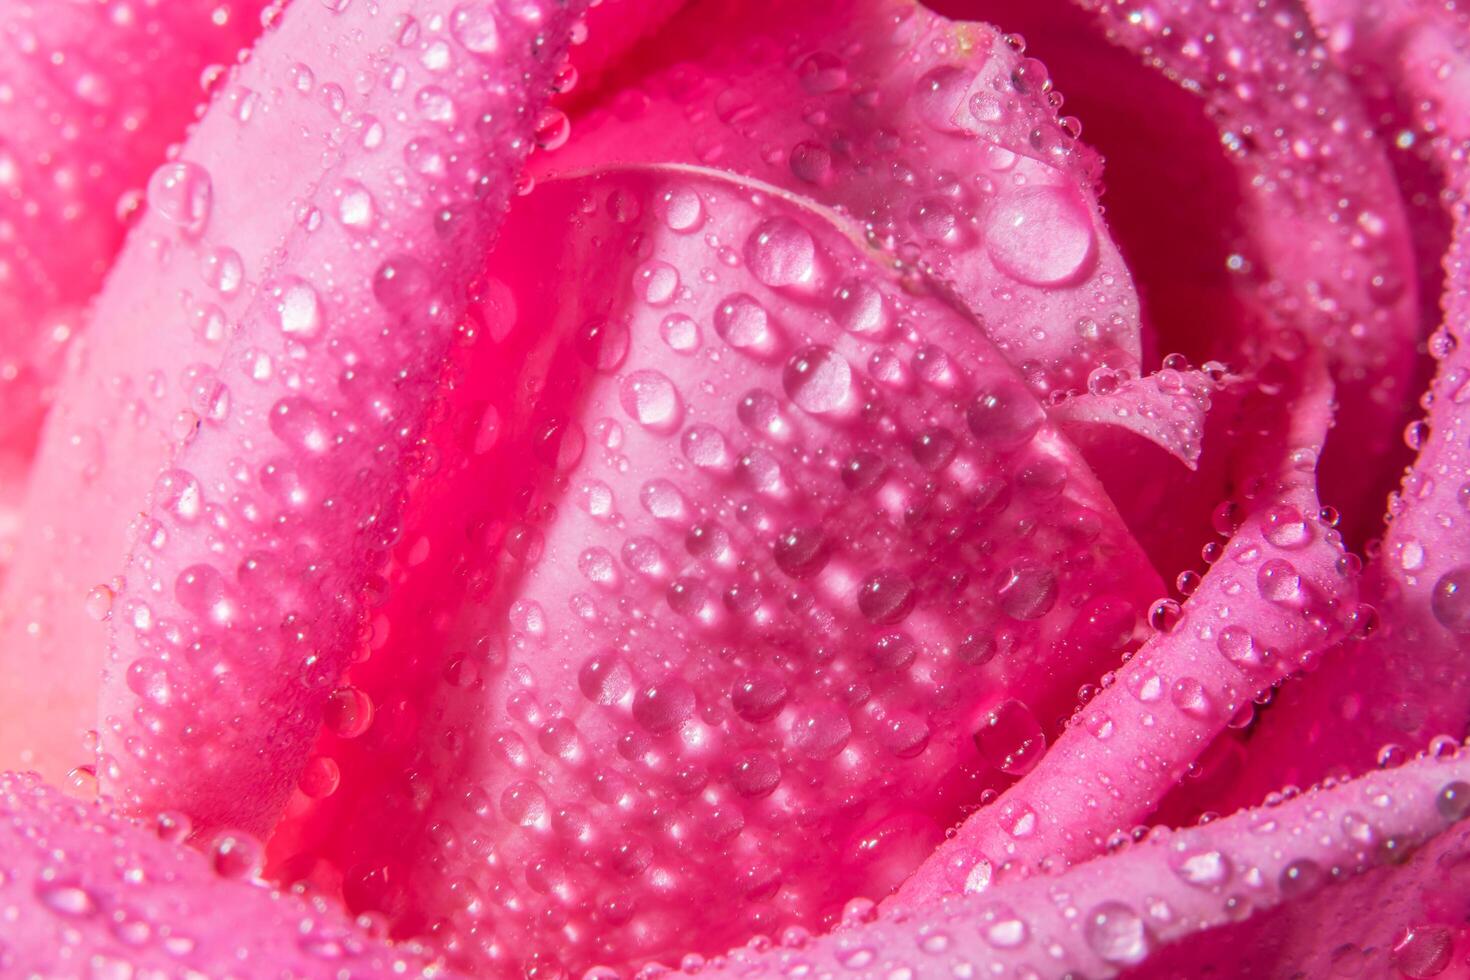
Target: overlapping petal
[742,520]
[1279,889]
[88,893]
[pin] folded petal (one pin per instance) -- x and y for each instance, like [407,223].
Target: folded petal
[745,565]
[88,893]
[1406,684]
[938,138]
[251,571]
[1167,408]
[94,94]
[262,359]
[1315,886]
[1329,249]
[1280,594]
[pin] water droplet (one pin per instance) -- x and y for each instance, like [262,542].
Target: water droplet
[552,129]
[781,252]
[802,552]
[298,309]
[664,706]
[1450,600]
[1203,869]
[680,332]
[861,309]
[821,731]
[1285,527]
[223,271]
[651,399]
[98,603]
[179,494]
[979,876]
[1010,738]
[1042,236]
[819,380]
[604,678]
[348,712]
[402,285]
[758,696]
[298,423]
[523,803]
[355,206]
[237,856]
[886,597]
[201,590]
[1027,591]
[1117,934]
[1005,416]
[1279,581]
[67,898]
[755,775]
[821,72]
[473,25]
[1453,801]
[182,194]
[603,344]
[1423,951]
[939,98]
[1301,877]
[657,282]
[745,325]
[681,209]
[320,777]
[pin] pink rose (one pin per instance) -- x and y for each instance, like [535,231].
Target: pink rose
[738,537]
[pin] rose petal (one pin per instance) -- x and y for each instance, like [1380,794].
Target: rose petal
[1407,683]
[1314,875]
[1277,596]
[1326,221]
[711,598]
[1167,408]
[308,298]
[936,136]
[89,894]
[94,96]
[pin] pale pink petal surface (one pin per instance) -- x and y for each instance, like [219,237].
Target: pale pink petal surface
[1280,867]
[786,484]
[88,893]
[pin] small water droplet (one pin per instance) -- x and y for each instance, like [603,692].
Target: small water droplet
[182,194]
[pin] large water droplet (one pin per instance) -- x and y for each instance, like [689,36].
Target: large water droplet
[1004,416]
[298,309]
[651,399]
[819,380]
[939,98]
[1424,951]
[781,253]
[473,25]
[182,194]
[1450,601]
[1010,738]
[1041,235]
[1117,934]
[759,695]
[886,597]
[745,325]
[1027,591]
